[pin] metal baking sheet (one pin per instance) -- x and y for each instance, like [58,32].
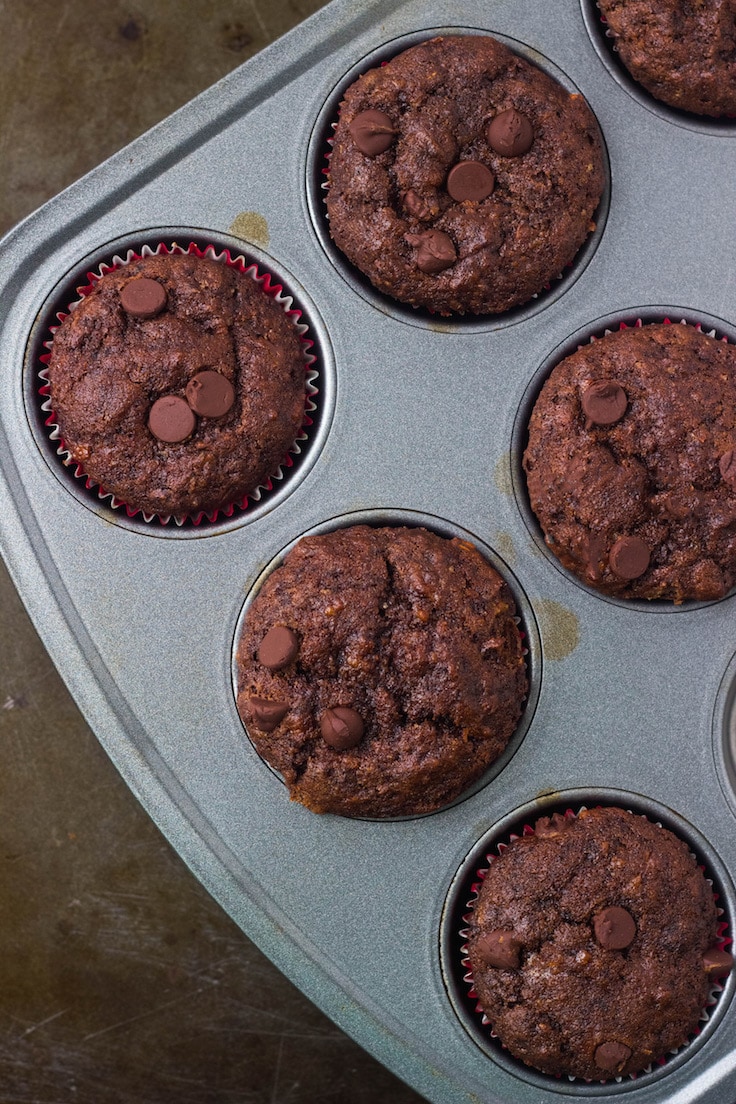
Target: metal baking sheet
[422,419]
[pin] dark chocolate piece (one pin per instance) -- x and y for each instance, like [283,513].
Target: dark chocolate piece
[629,557]
[210,394]
[604,402]
[510,133]
[143,297]
[612,1056]
[435,250]
[470,180]
[267,715]
[614,928]
[500,949]
[171,419]
[278,648]
[341,727]
[717,962]
[372,131]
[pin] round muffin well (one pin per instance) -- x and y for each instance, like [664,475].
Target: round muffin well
[381,671]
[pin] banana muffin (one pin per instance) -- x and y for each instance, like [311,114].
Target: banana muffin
[631,463]
[594,943]
[462,178]
[178,384]
[381,671]
[684,54]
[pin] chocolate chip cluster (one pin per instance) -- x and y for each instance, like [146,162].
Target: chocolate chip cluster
[509,134]
[208,394]
[341,727]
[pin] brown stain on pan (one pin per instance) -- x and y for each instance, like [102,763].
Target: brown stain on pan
[252,227]
[559,627]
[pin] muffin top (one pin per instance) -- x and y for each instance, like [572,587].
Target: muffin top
[462,178]
[381,671]
[631,463]
[593,944]
[177,384]
[684,54]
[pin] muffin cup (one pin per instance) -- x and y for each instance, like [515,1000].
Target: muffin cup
[636,318]
[318,185]
[270,286]
[458,971]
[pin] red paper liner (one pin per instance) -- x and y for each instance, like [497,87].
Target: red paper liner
[724,940]
[271,287]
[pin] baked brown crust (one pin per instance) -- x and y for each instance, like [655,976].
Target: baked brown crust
[413,632]
[684,54]
[568,995]
[107,368]
[658,475]
[440,96]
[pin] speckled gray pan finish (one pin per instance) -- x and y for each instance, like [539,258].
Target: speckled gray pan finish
[419,420]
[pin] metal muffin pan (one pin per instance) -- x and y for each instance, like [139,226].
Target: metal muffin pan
[421,417]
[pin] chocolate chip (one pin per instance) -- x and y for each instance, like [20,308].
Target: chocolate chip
[210,394]
[470,180]
[629,557]
[341,727]
[717,962]
[171,419]
[614,928]
[267,715]
[143,298]
[372,131]
[604,403]
[278,647]
[435,250]
[500,949]
[727,466]
[611,1056]
[510,133]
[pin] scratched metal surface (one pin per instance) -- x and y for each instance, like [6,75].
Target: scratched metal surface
[426,419]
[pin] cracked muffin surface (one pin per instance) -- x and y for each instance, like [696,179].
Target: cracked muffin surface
[631,463]
[683,53]
[381,671]
[462,178]
[178,384]
[594,942]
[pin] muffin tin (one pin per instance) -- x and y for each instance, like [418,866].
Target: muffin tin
[420,421]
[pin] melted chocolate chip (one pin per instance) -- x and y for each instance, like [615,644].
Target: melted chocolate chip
[614,928]
[717,962]
[499,949]
[210,394]
[278,647]
[435,250]
[611,1056]
[629,557]
[267,715]
[727,466]
[372,131]
[470,180]
[604,403]
[143,298]
[341,727]
[171,419]
[510,133]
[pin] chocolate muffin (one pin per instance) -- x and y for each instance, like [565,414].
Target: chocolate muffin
[631,463]
[594,943]
[684,54]
[462,178]
[177,384]
[381,671]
